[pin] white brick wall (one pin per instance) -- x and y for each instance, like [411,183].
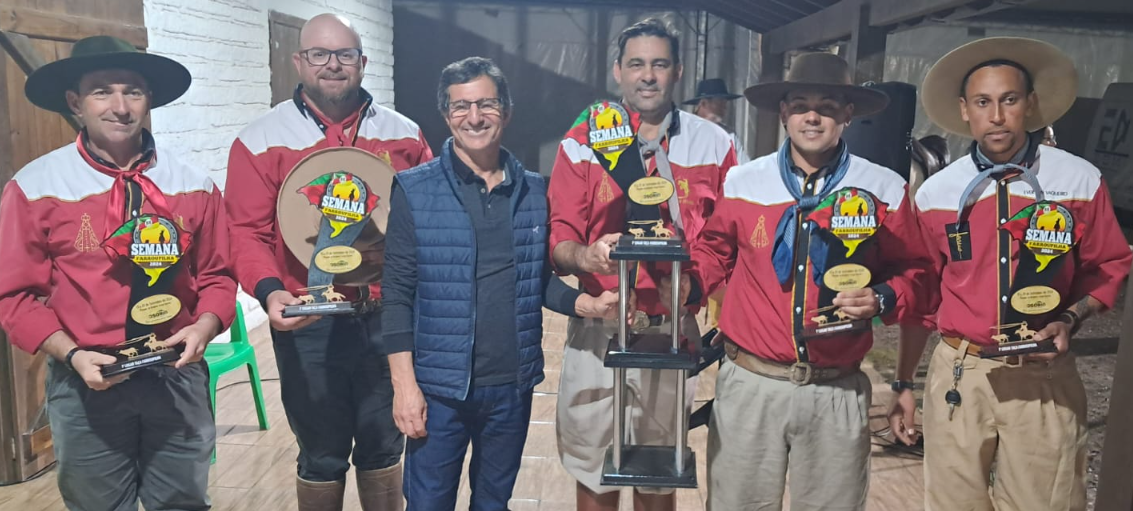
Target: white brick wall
[224,43]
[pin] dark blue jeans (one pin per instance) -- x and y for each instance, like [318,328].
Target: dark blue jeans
[494,418]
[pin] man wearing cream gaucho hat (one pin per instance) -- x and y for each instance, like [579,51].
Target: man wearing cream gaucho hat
[1024,414]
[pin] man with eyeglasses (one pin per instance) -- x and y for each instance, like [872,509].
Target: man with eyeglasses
[334,376]
[465,280]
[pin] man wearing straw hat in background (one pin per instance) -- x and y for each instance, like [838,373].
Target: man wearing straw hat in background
[149,435]
[1010,213]
[788,403]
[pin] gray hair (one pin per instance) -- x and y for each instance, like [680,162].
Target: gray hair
[464,71]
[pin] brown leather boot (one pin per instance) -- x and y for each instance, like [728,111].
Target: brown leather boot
[380,490]
[319,496]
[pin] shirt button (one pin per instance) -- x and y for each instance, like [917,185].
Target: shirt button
[800,267]
[1003,260]
[806,225]
[798,310]
[1004,298]
[810,186]
[1002,220]
[483,190]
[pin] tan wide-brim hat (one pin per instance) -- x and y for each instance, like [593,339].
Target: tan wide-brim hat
[821,72]
[299,220]
[1055,80]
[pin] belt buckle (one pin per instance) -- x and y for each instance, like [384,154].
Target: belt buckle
[801,373]
[640,322]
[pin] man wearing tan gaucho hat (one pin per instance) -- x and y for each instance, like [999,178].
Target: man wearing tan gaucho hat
[987,219]
[789,402]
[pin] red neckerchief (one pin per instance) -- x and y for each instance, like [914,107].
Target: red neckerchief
[116,213]
[336,133]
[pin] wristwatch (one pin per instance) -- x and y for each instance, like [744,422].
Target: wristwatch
[880,302]
[899,385]
[70,355]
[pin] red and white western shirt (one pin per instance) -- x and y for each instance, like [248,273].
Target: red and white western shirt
[55,273]
[765,317]
[971,293]
[587,204]
[264,154]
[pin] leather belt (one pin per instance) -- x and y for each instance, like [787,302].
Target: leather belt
[974,350]
[642,321]
[367,307]
[799,373]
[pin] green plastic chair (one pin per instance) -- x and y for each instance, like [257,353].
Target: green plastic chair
[225,357]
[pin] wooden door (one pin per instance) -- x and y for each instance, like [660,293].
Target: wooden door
[283,35]
[33,32]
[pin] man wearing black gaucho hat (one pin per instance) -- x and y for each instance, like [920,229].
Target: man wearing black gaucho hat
[73,224]
[711,102]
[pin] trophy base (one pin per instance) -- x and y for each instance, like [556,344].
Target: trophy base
[318,309]
[1018,348]
[630,248]
[129,364]
[856,325]
[649,465]
[651,351]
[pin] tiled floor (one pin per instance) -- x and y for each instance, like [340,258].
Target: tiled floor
[255,469]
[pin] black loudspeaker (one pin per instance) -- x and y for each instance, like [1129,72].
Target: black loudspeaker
[883,138]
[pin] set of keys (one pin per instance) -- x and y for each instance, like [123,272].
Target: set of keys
[952,397]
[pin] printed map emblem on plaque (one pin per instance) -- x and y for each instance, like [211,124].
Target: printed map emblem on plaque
[1046,231]
[332,213]
[610,131]
[847,219]
[155,245]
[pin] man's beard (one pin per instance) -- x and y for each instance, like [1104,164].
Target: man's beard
[346,97]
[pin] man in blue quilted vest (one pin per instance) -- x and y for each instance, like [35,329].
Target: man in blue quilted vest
[465,279]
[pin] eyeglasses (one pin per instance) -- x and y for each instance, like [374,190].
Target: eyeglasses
[321,56]
[461,107]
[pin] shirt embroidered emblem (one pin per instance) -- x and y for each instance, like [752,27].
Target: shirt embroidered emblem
[605,193]
[86,240]
[759,235]
[384,156]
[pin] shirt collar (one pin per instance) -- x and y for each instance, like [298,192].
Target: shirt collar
[827,167]
[1025,157]
[310,113]
[148,151]
[466,175]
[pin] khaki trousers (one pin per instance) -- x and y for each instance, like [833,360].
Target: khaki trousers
[763,430]
[1028,420]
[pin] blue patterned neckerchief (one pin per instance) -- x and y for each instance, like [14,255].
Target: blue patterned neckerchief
[783,253]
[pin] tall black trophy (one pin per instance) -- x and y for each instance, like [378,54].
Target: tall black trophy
[332,211]
[846,220]
[154,245]
[1046,231]
[646,242]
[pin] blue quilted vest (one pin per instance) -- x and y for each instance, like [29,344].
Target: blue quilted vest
[445,306]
